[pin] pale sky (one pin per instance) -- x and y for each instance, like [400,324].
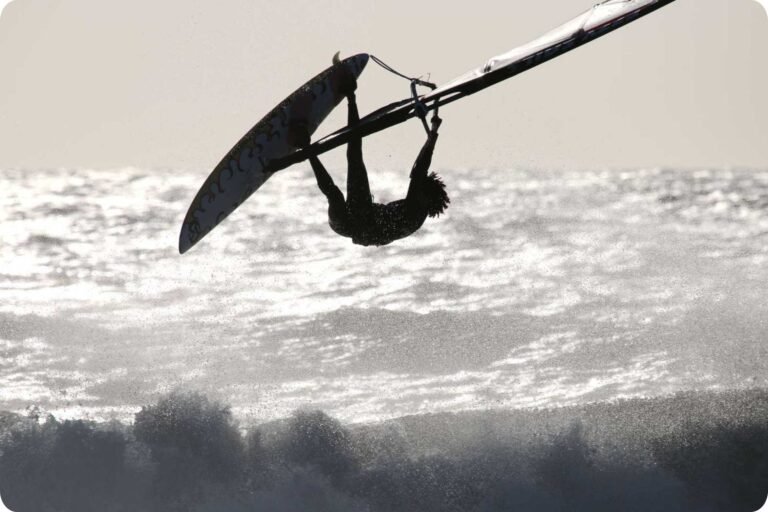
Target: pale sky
[174,84]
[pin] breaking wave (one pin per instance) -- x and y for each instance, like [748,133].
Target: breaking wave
[690,451]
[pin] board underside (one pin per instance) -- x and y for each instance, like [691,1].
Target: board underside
[244,168]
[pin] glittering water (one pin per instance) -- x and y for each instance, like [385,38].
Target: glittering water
[536,288]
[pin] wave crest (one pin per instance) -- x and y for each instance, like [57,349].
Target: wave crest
[702,451]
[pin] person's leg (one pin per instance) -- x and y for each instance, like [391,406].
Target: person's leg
[325,183]
[358,189]
[336,205]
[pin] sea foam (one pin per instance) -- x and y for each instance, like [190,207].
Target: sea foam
[691,451]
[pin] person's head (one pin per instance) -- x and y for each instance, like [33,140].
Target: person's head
[436,198]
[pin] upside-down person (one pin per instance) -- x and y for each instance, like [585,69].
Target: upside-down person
[361,219]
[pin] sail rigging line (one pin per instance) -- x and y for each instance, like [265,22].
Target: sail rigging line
[411,79]
[420,109]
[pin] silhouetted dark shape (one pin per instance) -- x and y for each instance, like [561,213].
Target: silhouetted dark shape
[692,451]
[368,223]
[195,446]
[70,465]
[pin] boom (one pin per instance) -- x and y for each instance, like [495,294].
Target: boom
[600,20]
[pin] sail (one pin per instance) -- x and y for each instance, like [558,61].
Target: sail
[598,21]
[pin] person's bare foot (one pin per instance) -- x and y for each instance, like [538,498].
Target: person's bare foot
[436,122]
[346,82]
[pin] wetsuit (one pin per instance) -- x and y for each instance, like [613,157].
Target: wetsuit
[359,218]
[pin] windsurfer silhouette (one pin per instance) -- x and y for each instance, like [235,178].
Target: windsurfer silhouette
[359,217]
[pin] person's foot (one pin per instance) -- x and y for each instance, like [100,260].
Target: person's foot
[346,82]
[436,122]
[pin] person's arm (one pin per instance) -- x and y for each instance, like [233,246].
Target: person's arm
[424,160]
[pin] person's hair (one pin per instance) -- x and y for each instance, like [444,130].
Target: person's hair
[436,197]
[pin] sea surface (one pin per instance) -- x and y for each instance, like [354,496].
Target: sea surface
[537,288]
[586,341]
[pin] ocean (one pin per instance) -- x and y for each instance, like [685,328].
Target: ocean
[538,290]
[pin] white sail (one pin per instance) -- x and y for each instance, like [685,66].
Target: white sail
[558,41]
[601,19]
